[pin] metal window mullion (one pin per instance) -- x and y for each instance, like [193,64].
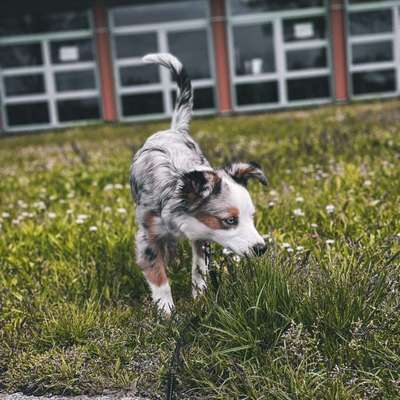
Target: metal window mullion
[280,60]
[257,78]
[27,98]
[22,71]
[370,38]
[149,88]
[306,44]
[78,94]
[38,38]
[373,66]
[309,73]
[396,44]
[50,84]
[165,75]
[372,6]
[74,67]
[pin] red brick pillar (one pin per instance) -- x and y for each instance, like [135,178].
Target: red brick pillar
[220,39]
[104,59]
[339,55]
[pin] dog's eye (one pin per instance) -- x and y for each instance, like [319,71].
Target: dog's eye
[231,221]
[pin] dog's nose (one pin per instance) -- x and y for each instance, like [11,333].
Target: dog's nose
[259,249]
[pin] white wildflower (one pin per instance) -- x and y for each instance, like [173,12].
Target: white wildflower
[315,226]
[286,245]
[367,183]
[93,228]
[5,215]
[84,217]
[330,208]
[236,258]
[53,197]
[118,186]
[40,205]
[121,210]
[51,215]
[271,204]
[299,199]
[226,252]
[107,209]
[299,248]
[69,212]
[108,187]
[289,250]
[298,212]
[329,241]
[273,193]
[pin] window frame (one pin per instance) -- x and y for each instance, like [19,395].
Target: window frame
[393,37]
[282,74]
[166,85]
[48,69]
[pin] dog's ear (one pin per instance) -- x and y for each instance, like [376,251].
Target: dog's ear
[198,185]
[242,172]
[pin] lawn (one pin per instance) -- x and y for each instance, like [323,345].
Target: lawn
[317,317]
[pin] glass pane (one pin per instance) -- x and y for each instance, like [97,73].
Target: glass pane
[69,51]
[29,23]
[142,104]
[254,49]
[203,98]
[139,75]
[308,88]
[191,47]
[24,85]
[255,6]
[367,22]
[257,93]
[374,82]
[372,52]
[21,55]
[136,45]
[160,12]
[306,59]
[78,109]
[27,114]
[75,80]
[304,29]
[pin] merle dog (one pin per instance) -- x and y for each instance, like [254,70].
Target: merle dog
[178,194]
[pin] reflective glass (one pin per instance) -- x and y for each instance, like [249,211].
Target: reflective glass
[372,52]
[21,55]
[75,80]
[257,93]
[308,88]
[191,47]
[136,44]
[70,51]
[78,109]
[255,6]
[306,59]
[157,12]
[139,75]
[20,85]
[203,98]
[141,104]
[27,114]
[308,28]
[374,82]
[254,49]
[40,23]
[370,22]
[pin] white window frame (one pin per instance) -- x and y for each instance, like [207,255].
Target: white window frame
[282,74]
[394,37]
[166,86]
[48,70]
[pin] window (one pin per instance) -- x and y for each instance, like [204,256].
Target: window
[27,114]
[21,55]
[78,109]
[19,85]
[279,58]
[177,27]
[371,46]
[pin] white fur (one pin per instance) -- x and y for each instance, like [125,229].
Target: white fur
[162,296]
[199,272]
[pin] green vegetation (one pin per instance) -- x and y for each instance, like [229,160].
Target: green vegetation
[316,318]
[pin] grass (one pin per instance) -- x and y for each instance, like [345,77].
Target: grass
[316,318]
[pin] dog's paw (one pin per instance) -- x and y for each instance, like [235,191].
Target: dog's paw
[198,288]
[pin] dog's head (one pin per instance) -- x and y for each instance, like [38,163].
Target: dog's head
[221,209]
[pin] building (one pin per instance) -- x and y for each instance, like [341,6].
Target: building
[69,62]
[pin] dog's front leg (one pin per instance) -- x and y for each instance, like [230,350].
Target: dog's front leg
[151,258]
[199,268]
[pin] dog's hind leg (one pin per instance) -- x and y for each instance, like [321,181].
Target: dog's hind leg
[150,256]
[199,268]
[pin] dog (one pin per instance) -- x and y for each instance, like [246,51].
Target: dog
[179,195]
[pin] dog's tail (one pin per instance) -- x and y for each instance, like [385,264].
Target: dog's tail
[184,102]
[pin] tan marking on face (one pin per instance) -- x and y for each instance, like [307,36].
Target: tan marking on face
[209,220]
[214,222]
[156,273]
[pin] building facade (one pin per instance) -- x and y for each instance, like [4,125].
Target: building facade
[80,61]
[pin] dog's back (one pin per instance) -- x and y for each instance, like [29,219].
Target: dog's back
[165,155]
